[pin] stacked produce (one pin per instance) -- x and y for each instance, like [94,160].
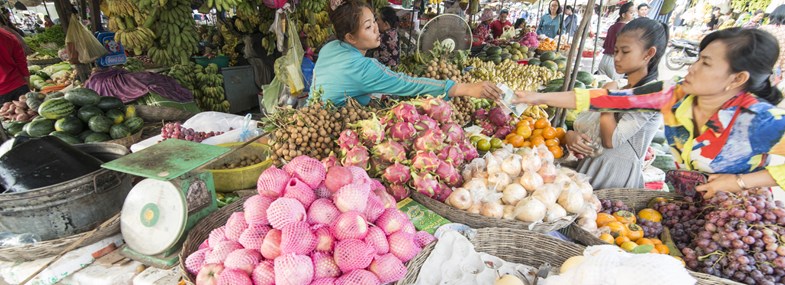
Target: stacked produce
[175,35]
[442,69]
[552,60]
[80,115]
[46,44]
[632,233]
[17,111]
[131,25]
[465,107]
[430,64]
[530,41]
[525,185]
[134,65]
[248,17]
[547,44]
[531,132]
[307,227]
[175,130]
[514,75]
[513,51]
[583,80]
[56,74]
[415,145]
[204,82]
[318,27]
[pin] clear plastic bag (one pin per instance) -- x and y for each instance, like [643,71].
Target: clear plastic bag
[13,240]
[588,123]
[80,42]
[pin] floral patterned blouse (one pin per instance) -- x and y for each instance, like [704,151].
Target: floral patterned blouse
[481,33]
[388,53]
[745,135]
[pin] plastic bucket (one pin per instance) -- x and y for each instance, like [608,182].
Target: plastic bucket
[228,180]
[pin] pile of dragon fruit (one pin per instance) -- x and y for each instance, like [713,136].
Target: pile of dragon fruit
[494,123]
[416,145]
[307,227]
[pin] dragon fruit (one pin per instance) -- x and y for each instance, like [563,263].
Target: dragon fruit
[425,161]
[330,161]
[390,151]
[425,183]
[480,114]
[452,155]
[453,132]
[469,152]
[371,130]
[398,191]
[437,109]
[348,140]
[405,112]
[403,131]
[503,132]
[453,180]
[442,192]
[426,123]
[445,169]
[357,156]
[430,140]
[397,174]
[498,117]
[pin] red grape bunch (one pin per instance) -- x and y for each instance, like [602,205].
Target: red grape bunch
[177,131]
[610,207]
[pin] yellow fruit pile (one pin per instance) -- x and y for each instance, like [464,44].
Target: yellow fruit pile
[628,235]
[547,45]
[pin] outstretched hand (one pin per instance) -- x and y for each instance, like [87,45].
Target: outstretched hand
[484,90]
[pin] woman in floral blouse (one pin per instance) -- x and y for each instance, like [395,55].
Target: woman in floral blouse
[482,32]
[388,51]
[720,119]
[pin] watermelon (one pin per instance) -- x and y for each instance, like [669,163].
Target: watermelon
[100,124]
[116,115]
[34,103]
[82,96]
[54,95]
[97,137]
[39,127]
[56,109]
[83,135]
[550,64]
[108,103]
[134,124]
[585,77]
[71,125]
[534,61]
[119,131]
[22,134]
[87,112]
[65,137]
[130,111]
[15,127]
[548,56]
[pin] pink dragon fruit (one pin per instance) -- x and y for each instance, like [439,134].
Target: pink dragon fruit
[264,273]
[348,140]
[338,177]
[357,156]
[480,114]
[272,182]
[452,154]
[425,161]
[405,112]
[398,191]
[469,152]
[488,129]
[388,268]
[453,180]
[330,161]
[293,269]
[498,117]
[371,130]
[430,140]
[453,132]
[403,131]
[234,277]
[426,123]
[324,266]
[425,183]
[390,151]
[322,211]
[442,192]
[445,169]
[437,108]
[397,174]
[503,132]
[376,185]
[243,259]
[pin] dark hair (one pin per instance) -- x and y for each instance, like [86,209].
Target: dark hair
[753,51]
[777,17]
[568,7]
[558,10]
[346,17]
[388,15]
[504,11]
[519,22]
[652,34]
[643,5]
[624,9]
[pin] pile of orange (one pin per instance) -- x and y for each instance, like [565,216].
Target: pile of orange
[531,133]
[547,45]
[625,233]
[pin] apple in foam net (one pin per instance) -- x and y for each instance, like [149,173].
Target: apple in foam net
[209,273]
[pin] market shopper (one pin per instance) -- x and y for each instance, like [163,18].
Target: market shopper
[720,119]
[625,136]
[643,10]
[776,27]
[550,24]
[13,68]
[714,21]
[498,26]
[388,51]
[606,63]
[570,21]
[48,22]
[755,20]
[343,71]
[482,32]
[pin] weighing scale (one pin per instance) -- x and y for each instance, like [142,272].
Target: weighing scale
[173,197]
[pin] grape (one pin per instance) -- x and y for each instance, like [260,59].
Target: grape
[177,131]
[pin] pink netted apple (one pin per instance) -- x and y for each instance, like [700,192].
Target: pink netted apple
[209,273]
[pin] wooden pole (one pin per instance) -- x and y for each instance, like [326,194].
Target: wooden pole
[561,26]
[83,9]
[596,37]
[95,15]
[63,8]
[570,72]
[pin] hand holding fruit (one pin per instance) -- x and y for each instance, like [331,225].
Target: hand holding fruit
[719,183]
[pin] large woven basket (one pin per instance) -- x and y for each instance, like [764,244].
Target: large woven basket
[636,199]
[157,113]
[53,247]
[512,245]
[478,221]
[201,232]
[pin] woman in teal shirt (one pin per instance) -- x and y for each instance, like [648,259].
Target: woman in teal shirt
[550,24]
[343,71]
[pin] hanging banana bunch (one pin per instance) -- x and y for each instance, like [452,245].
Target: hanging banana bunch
[176,35]
[131,26]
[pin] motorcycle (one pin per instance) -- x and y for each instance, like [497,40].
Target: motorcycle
[682,52]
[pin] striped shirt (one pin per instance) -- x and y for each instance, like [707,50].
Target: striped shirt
[654,11]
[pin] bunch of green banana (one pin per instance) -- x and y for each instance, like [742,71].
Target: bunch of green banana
[185,74]
[131,26]
[121,7]
[138,39]
[536,111]
[222,5]
[230,42]
[211,95]
[176,38]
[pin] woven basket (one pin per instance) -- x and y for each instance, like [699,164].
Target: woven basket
[53,247]
[128,141]
[157,114]
[512,245]
[44,61]
[636,199]
[201,232]
[477,221]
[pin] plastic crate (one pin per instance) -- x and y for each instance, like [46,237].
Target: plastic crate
[221,60]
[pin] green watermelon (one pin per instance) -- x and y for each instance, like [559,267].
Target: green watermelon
[100,124]
[71,125]
[585,77]
[108,103]
[551,65]
[56,109]
[22,134]
[54,95]
[548,56]
[65,137]
[39,128]
[116,115]
[83,135]
[87,112]
[534,61]
[15,127]
[82,96]
[119,131]
[134,124]
[579,84]
[97,137]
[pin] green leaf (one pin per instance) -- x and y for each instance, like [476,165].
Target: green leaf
[644,248]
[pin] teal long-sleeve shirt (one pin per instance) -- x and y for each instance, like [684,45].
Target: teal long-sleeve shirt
[342,71]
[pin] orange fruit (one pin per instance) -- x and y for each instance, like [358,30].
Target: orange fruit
[604,218]
[527,144]
[621,239]
[516,140]
[606,237]
[625,217]
[560,133]
[656,241]
[537,133]
[650,214]
[642,241]
[628,246]
[537,141]
[556,151]
[507,138]
[661,248]
[634,232]
[542,123]
[617,228]
[549,133]
[551,142]
[524,130]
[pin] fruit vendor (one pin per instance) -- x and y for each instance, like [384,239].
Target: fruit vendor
[482,32]
[13,68]
[343,70]
[720,119]
[497,27]
[550,24]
